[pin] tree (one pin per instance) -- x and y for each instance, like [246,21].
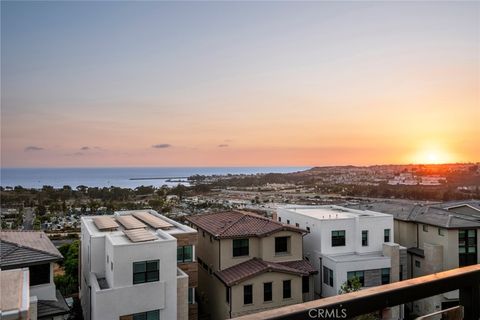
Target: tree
[68,282]
[353,285]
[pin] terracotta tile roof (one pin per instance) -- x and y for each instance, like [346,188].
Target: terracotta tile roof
[302,265]
[253,267]
[26,247]
[234,224]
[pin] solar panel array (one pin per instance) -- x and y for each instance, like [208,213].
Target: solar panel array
[139,235]
[152,221]
[105,223]
[130,222]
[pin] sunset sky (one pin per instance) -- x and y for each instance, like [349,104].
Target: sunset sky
[239,84]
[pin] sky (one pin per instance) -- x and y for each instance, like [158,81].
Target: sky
[88,84]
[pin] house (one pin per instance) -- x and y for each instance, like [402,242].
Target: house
[128,267]
[439,237]
[33,250]
[248,263]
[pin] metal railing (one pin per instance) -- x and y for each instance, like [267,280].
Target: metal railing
[466,280]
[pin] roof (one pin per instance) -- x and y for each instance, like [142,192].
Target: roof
[234,224]
[253,267]
[19,248]
[433,214]
[50,308]
[14,292]
[416,251]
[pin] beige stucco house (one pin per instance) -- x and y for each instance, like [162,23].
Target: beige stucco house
[249,263]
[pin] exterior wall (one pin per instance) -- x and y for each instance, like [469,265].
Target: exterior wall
[182,296]
[340,270]
[227,259]
[267,247]
[45,291]
[207,249]
[405,233]
[238,308]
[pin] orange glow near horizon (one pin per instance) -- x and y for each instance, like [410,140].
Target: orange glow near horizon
[433,155]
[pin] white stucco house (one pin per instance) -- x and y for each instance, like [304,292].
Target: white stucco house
[128,268]
[343,243]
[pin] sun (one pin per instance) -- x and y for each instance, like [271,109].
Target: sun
[432,156]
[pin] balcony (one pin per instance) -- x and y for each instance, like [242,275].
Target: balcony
[466,280]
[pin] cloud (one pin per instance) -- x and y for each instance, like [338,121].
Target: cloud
[85,148]
[223,145]
[33,148]
[162,146]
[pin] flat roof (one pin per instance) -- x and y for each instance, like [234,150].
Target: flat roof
[333,212]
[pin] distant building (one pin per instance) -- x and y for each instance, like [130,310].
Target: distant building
[129,271]
[439,237]
[249,263]
[32,250]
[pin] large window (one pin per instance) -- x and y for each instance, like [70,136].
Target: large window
[467,247]
[282,245]
[149,315]
[305,284]
[267,291]
[240,247]
[39,274]
[248,294]
[338,238]
[146,271]
[287,289]
[185,254]
[358,274]
[385,275]
[364,238]
[328,276]
[386,235]
[191,295]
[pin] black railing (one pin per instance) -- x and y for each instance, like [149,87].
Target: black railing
[466,280]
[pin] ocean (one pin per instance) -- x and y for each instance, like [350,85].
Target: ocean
[119,177]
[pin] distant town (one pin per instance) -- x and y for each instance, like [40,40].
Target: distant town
[317,233]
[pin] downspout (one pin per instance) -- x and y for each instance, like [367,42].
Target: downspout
[219,254]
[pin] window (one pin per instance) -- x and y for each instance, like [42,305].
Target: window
[385,275]
[282,244]
[305,284]
[386,235]
[107,259]
[297,225]
[425,228]
[248,294]
[240,247]
[39,274]
[111,265]
[441,232]
[203,234]
[467,247]
[417,263]
[149,315]
[227,294]
[191,295]
[279,219]
[288,221]
[358,274]
[364,238]
[308,229]
[185,254]
[146,271]
[267,291]
[328,276]
[287,289]
[338,238]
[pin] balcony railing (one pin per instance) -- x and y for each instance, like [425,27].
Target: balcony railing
[466,280]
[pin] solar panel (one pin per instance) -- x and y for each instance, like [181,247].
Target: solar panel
[152,221]
[105,223]
[139,235]
[129,222]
